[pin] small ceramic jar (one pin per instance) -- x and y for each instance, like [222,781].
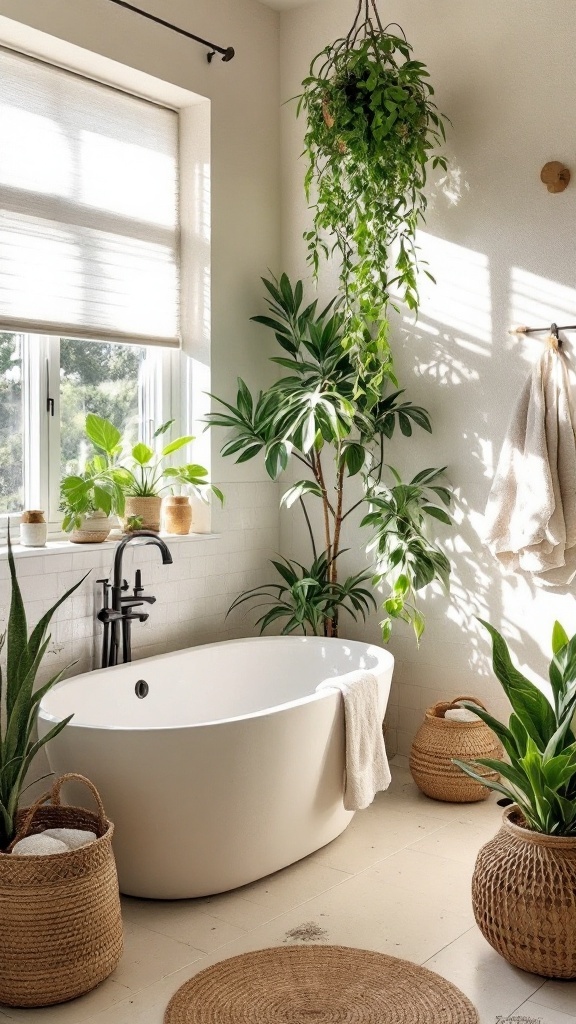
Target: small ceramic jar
[33,529]
[177,514]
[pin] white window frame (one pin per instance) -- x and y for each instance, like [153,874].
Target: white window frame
[188,380]
[160,399]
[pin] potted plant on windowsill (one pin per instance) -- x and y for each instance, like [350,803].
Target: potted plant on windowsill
[89,499]
[524,883]
[142,474]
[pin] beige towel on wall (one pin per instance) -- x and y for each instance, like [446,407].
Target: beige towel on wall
[531,513]
[367,770]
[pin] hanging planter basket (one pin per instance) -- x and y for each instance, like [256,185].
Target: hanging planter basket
[372,129]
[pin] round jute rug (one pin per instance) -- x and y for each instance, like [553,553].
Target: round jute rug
[318,985]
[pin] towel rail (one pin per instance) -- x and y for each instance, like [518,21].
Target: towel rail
[553,332]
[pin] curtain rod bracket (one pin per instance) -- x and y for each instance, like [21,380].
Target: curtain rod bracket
[227,52]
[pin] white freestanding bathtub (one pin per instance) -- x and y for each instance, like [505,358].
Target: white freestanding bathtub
[229,769]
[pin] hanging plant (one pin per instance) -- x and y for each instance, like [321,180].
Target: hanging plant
[372,129]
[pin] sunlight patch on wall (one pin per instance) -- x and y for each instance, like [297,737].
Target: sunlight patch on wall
[536,301]
[461,298]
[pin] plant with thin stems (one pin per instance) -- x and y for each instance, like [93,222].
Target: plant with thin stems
[315,415]
[372,129]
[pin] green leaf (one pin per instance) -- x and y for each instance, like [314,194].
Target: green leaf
[437,513]
[163,428]
[174,446]
[103,433]
[529,703]
[559,638]
[297,491]
[142,454]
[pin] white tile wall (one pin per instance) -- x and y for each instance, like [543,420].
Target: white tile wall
[193,595]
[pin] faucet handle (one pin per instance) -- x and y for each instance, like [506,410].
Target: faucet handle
[125,585]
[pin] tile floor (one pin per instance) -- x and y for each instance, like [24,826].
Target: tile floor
[397,881]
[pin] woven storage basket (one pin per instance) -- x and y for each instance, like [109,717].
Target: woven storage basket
[60,924]
[437,741]
[524,898]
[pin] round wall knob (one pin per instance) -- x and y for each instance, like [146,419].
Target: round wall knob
[555,176]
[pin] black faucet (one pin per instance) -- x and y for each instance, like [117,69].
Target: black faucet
[118,614]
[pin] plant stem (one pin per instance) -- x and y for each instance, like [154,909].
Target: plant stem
[326,506]
[310,531]
[338,524]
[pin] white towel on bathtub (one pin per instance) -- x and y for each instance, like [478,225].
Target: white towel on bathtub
[367,770]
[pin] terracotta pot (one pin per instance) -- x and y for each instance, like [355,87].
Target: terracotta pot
[524,898]
[437,741]
[147,508]
[94,529]
[177,514]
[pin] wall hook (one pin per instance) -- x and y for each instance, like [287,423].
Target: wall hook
[555,175]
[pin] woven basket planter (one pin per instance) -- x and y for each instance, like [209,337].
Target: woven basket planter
[60,924]
[524,898]
[147,508]
[437,741]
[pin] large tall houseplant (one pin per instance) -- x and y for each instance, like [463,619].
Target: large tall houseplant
[314,417]
[19,701]
[372,128]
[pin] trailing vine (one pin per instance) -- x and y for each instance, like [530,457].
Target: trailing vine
[372,129]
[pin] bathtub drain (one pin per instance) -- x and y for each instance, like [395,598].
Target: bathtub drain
[141,689]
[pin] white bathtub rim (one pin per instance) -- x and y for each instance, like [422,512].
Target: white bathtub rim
[322,694]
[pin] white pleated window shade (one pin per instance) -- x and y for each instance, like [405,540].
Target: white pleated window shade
[89,237]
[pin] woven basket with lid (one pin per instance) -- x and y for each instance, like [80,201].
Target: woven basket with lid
[440,739]
[524,898]
[60,924]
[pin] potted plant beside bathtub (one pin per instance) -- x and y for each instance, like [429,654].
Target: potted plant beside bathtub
[18,712]
[524,883]
[141,473]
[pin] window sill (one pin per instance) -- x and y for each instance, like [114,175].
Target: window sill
[59,545]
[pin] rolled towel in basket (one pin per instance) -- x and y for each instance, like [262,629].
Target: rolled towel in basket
[73,838]
[39,846]
[460,715]
[53,840]
[367,771]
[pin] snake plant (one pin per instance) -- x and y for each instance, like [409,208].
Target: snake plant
[540,775]
[19,701]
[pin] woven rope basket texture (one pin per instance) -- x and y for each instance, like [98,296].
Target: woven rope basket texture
[437,741]
[524,898]
[148,508]
[60,923]
[324,984]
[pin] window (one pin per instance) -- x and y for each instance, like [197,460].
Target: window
[47,388]
[89,272]
[11,424]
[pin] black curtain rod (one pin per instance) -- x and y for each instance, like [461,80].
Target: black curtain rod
[227,52]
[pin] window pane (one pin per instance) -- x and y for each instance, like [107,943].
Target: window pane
[98,378]
[11,420]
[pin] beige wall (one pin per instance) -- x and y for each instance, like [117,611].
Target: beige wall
[502,250]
